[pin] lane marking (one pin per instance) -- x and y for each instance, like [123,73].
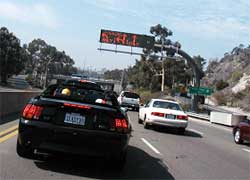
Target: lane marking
[150,145]
[8,130]
[130,121]
[8,136]
[195,131]
[247,150]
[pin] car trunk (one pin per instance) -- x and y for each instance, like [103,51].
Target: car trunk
[78,115]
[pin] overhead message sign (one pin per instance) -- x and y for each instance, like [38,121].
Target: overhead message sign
[127,39]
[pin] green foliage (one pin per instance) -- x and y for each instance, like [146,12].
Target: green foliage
[220,97]
[115,74]
[236,75]
[45,60]
[201,62]
[12,55]
[221,85]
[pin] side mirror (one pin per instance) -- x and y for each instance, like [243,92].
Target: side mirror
[124,109]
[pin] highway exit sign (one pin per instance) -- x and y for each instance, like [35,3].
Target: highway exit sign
[205,91]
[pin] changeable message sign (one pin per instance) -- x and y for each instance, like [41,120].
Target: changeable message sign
[127,39]
[201,91]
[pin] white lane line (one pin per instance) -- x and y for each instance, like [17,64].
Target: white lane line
[130,121]
[247,150]
[198,132]
[150,145]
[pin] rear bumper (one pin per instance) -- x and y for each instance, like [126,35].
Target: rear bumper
[130,105]
[168,123]
[51,138]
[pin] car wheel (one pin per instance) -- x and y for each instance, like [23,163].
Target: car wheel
[237,138]
[139,120]
[181,131]
[23,151]
[145,124]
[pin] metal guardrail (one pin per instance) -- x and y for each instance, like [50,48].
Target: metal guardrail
[200,116]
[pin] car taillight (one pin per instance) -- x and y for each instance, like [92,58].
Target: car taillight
[157,114]
[32,111]
[77,106]
[121,125]
[181,117]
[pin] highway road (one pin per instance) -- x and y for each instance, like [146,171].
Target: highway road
[206,151]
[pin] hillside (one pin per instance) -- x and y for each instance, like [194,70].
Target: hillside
[230,77]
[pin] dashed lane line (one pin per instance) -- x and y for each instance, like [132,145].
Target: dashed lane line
[150,146]
[247,150]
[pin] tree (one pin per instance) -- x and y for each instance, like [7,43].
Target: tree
[200,62]
[12,55]
[46,59]
[115,74]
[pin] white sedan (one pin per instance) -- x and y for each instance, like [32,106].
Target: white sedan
[163,113]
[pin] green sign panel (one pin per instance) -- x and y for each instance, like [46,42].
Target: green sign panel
[201,91]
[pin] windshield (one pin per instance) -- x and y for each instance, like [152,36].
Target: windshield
[167,105]
[80,94]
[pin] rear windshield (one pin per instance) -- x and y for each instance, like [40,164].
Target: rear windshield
[167,105]
[80,94]
[131,95]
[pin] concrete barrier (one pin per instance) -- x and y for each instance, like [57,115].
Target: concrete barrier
[13,102]
[228,119]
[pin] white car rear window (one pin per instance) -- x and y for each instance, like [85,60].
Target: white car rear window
[167,105]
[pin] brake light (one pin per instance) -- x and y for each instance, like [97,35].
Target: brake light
[181,117]
[121,125]
[157,114]
[32,111]
[77,106]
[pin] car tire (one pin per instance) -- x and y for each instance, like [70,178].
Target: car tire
[23,151]
[145,124]
[237,138]
[181,131]
[139,121]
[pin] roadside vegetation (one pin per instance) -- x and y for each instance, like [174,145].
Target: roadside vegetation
[37,59]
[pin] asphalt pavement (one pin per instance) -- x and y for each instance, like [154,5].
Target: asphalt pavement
[206,151]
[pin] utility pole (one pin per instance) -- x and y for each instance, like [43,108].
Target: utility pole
[162,65]
[122,79]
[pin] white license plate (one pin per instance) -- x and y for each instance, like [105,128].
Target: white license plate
[170,116]
[74,118]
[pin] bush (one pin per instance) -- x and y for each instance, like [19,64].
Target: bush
[220,98]
[236,76]
[221,85]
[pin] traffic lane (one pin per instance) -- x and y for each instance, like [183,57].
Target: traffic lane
[196,155]
[142,163]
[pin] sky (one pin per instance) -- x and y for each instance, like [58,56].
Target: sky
[209,28]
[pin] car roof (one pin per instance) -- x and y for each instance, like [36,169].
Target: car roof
[165,100]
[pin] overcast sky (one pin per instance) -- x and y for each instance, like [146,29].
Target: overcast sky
[205,27]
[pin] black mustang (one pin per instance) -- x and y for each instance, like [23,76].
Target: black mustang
[75,117]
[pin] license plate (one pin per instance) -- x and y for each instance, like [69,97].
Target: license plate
[170,116]
[74,118]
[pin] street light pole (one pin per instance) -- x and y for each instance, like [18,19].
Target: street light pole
[162,64]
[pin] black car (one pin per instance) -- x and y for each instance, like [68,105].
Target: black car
[75,117]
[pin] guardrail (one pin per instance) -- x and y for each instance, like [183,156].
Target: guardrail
[200,116]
